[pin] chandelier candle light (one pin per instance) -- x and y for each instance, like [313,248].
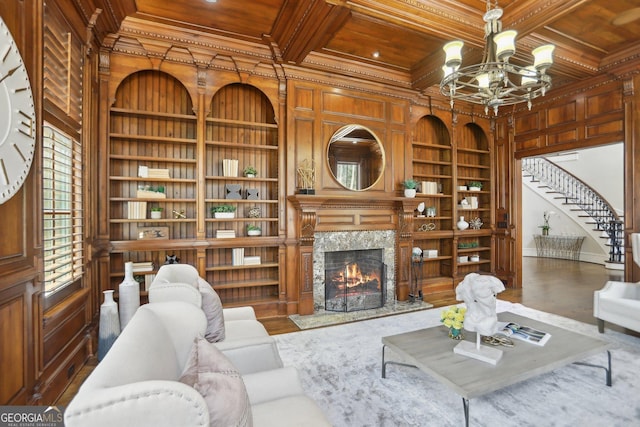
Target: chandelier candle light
[495,82]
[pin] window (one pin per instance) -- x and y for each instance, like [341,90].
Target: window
[349,174]
[63,213]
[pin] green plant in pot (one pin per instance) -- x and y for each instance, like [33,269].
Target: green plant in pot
[223,211]
[546,216]
[474,185]
[250,171]
[156,212]
[253,230]
[410,186]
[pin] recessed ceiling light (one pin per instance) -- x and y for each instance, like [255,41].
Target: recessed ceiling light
[626,17]
[376,54]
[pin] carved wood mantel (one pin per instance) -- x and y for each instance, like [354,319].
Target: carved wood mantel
[359,212]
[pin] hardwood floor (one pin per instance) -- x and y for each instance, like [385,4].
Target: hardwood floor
[556,286]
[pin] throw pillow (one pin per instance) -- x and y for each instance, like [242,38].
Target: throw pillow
[213,375]
[212,307]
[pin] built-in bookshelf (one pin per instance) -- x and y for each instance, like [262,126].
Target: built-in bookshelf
[473,167]
[249,137]
[447,166]
[156,169]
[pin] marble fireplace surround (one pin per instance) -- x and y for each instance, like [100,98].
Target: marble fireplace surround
[333,241]
[346,222]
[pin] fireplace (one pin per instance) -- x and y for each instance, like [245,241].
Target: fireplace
[349,241]
[354,280]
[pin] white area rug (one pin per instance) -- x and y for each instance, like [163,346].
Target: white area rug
[340,368]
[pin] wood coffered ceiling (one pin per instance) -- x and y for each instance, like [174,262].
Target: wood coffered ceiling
[591,36]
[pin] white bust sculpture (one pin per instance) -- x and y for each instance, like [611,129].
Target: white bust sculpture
[479,294]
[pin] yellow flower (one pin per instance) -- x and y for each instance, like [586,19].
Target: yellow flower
[453,317]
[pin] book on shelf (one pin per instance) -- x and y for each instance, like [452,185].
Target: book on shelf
[148,194]
[147,172]
[237,256]
[225,234]
[251,260]
[143,171]
[523,333]
[142,266]
[230,167]
[137,210]
[148,279]
[158,173]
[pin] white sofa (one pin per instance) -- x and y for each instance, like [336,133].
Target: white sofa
[137,383]
[246,341]
[619,302]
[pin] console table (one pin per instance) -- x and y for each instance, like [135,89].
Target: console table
[567,247]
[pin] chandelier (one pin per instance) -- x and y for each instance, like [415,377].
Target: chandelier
[495,82]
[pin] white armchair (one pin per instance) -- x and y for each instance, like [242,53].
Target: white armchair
[619,302]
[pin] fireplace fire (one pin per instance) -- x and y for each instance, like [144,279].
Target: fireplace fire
[354,280]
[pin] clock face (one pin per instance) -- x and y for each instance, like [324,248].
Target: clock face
[17,118]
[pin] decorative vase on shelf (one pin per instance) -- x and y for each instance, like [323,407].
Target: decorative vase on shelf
[409,192]
[109,328]
[129,295]
[462,224]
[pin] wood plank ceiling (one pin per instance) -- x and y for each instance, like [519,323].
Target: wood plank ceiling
[591,36]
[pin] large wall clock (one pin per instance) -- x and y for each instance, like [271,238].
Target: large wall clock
[17,117]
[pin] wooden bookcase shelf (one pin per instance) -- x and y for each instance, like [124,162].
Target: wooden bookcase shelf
[160,131]
[451,164]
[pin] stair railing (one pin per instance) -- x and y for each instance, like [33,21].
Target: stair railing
[577,192]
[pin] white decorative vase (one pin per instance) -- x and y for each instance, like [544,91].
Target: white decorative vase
[156,214]
[409,192]
[109,328]
[254,232]
[462,224]
[129,295]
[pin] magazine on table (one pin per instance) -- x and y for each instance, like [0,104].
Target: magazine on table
[523,333]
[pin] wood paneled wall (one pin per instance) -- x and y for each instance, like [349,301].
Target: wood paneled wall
[592,116]
[20,256]
[601,111]
[44,343]
[316,112]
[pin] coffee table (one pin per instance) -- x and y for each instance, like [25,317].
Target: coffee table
[431,350]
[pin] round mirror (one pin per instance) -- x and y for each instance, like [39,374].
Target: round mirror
[355,157]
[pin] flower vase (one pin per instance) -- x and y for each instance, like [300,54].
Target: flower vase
[129,295]
[462,224]
[109,328]
[545,231]
[409,192]
[456,334]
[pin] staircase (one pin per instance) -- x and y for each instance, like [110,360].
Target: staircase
[575,195]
